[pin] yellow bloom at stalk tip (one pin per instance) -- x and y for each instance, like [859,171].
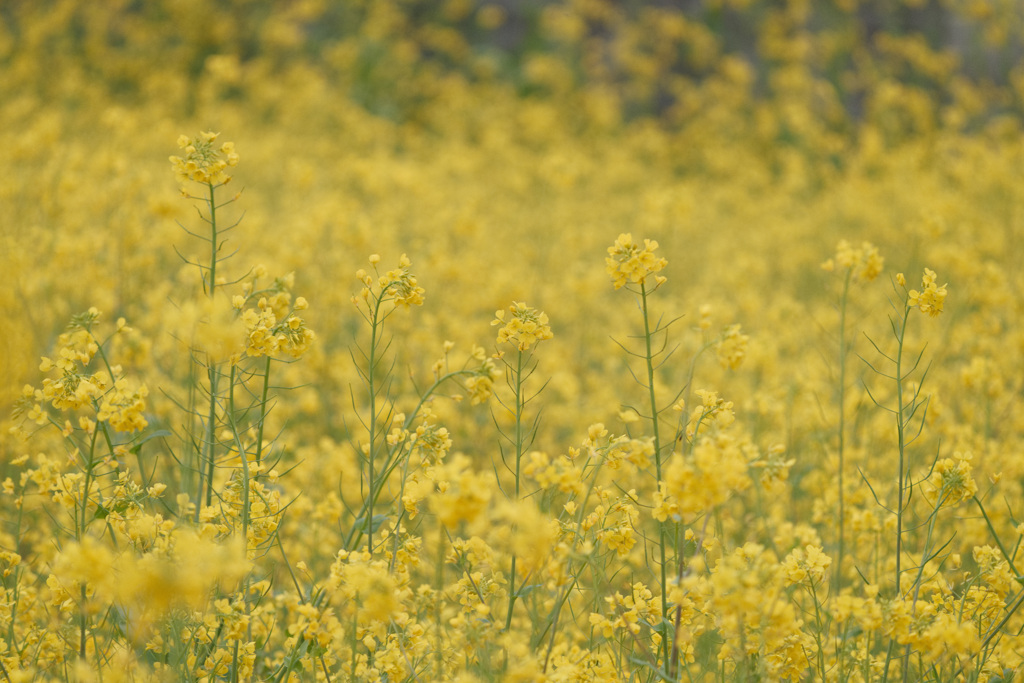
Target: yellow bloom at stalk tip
[398,285]
[732,347]
[806,564]
[123,408]
[864,263]
[525,327]
[402,284]
[204,162]
[931,297]
[628,262]
[951,481]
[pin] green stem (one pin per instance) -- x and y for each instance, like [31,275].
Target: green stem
[901,333]
[87,482]
[213,238]
[518,388]
[208,444]
[818,631]
[842,424]
[900,424]
[995,536]
[212,372]
[649,358]
[83,623]
[263,412]
[243,458]
[371,386]
[391,461]
[927,550]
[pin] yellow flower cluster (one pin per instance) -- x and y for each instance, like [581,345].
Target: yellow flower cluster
[806,565]
[402,285]
[398,285]
[744,590]
[561,473]
[203,161]
[524,328]
[732,347]
[358,581]
[415,534]
[628,262]
[931,297]
[864,263]
[123,407]
[461,494]
[716,471]
[629,612]
[951,481]
[480,384]
[149,583]
[73,388]
[273,327]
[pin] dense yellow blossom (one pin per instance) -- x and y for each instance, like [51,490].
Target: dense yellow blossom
[627,261]
[524,328]
[739,485]
[951,482]
[931,297]
[863,263]
[123,408]
[204,162]
[806,564]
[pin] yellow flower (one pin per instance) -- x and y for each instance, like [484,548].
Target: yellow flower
[399,283]
[628,262]
[123,409]
[462,494]
[931,299]
[732,348]
[951,482]
[526,327]
[203,162]
[863,263]
[806,564]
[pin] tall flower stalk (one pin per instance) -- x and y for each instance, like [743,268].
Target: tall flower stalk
[860,264]
[207,164]
[634,267]
[523,328]
[376,302]
[260,324]
[910,406]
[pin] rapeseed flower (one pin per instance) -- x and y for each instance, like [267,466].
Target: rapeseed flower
[401,284]
[951,481]
[123,408]
[204,162]
[491,568]
[628,262]
[931,297]
[732,348]
[524,328]
[806,564]
[864,263]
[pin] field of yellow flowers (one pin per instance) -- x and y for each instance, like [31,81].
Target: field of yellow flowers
[479,340]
